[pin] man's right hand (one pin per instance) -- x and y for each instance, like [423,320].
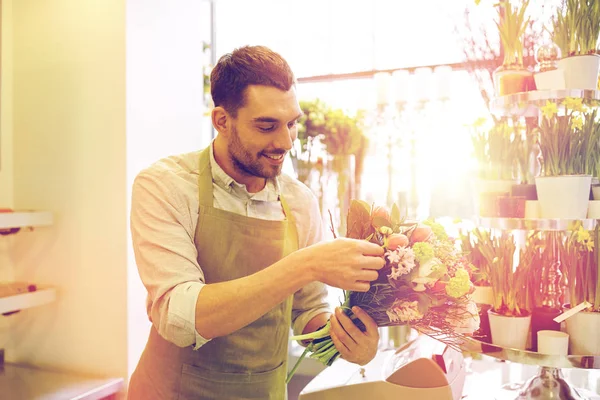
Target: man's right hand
[349,264]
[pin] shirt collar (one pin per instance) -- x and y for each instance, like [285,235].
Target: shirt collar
[270,192]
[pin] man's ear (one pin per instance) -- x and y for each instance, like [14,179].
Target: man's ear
[221,120]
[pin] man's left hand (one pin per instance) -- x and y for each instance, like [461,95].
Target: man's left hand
[354,345]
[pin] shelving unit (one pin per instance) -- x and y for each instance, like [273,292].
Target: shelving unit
[27,300]
[21,382]
[527,104]
[24,382]
[23,219]
[535,224]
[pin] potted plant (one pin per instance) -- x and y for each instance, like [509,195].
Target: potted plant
[310,127]
[509,320]
[569,147]
[344,140]
[576,32]
[535,259]
[512,76]
[581,258]
[495,152]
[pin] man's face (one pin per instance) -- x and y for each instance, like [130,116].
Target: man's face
[263,131]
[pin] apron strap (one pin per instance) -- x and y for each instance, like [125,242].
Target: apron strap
[205,182]
[291,231]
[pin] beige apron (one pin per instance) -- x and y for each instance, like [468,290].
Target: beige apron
[249,363]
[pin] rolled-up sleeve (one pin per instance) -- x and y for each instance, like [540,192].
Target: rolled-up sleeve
[311,300]
[163,242]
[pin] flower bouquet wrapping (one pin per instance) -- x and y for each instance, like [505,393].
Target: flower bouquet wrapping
[425,282]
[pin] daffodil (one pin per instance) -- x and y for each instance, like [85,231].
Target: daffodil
[577,122]
[550,109]
[584,238]
[574,104]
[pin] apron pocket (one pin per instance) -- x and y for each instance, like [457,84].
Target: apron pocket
[200,383]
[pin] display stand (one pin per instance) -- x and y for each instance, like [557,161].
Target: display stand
[549,382]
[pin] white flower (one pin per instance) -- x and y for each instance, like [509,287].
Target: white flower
[425,269]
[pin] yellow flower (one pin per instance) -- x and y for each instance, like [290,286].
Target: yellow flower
[550,109]
[584,238]
[574,104]
[459,284]
[477,2]
[577,122]
[479,122]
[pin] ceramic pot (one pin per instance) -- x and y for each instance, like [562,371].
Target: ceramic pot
[583,329]
[564,196]
[580,72]
[510,332]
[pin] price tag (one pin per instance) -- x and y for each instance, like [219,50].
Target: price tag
[569,313]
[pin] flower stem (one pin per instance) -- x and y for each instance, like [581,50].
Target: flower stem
[293,371]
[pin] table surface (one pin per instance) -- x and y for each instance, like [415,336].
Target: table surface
[484,380]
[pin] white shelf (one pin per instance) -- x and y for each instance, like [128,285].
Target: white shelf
[22,219]
[27,300]
[20,382]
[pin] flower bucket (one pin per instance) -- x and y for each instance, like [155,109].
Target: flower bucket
[563,196]
[550,80]
[583,329]
[510,81]
[581,72]
[485,203]
[511,332]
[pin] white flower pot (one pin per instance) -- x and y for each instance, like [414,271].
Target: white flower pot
[483,295]
[581,72]
[563,196]
[550,80]
[596,192]
[511,332]
[583,329]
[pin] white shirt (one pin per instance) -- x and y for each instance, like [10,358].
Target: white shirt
[164,215]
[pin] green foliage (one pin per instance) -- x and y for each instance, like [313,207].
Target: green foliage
[498,263]
[496,151]
[570,143]
[512,27]
[576,27]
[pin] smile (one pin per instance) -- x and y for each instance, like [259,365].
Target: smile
[274,157]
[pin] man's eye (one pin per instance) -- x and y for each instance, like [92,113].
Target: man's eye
[292,124]
[266,128]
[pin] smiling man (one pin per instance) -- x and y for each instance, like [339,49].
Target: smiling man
[231,250]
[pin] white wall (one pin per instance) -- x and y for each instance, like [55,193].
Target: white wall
[91,93]
[6,147]
[164,108]
[69,157]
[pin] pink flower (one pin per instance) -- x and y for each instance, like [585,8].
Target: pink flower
[404,311]
[402,261]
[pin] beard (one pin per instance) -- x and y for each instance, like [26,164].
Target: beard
[247,163]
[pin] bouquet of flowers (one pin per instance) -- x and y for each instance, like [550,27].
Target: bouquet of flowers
[425,282]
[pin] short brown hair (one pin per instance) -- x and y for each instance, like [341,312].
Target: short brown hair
[248,65]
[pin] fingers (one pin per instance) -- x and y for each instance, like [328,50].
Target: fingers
[373,263]
[342,336]
[371,249]
[369,322]
[367,275]
[354,333]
